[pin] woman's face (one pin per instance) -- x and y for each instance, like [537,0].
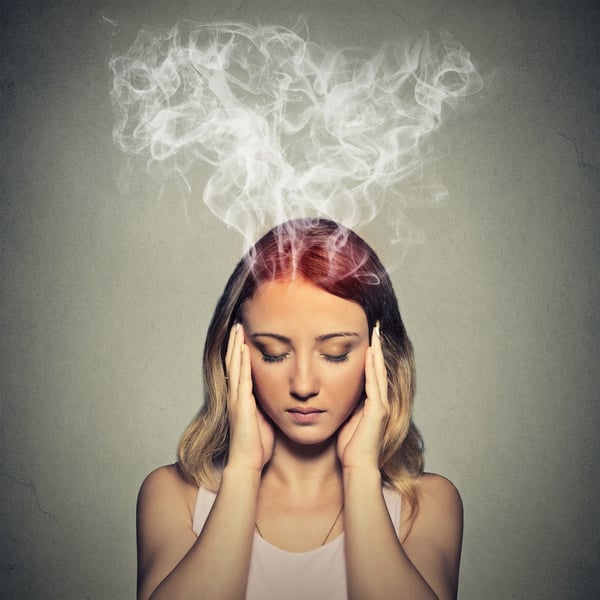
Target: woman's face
[307,351]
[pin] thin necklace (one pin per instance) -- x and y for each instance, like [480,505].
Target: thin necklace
[324,539]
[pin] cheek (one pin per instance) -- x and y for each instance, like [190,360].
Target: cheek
[265,377]
[257,369]
[350,379]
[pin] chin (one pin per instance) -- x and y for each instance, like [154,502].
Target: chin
[308,436]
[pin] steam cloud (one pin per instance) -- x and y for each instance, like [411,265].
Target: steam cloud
[289,128]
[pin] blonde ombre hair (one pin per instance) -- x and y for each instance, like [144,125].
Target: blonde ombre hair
[340,262]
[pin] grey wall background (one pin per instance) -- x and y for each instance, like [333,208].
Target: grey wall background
[106,293]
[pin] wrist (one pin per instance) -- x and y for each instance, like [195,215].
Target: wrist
[240,475]
[362,476]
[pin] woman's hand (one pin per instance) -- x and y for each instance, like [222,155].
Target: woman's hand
[359,440]
[251,441]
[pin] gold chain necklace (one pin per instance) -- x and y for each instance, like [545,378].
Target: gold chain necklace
[328,533]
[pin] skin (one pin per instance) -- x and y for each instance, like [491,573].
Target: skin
[314,361]
[300,348]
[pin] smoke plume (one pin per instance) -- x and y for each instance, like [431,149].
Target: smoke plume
[288,128]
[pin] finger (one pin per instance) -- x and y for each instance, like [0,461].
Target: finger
[371,385]
[245,378]
[233,369]
[356,416]
[232,335]
[379,365]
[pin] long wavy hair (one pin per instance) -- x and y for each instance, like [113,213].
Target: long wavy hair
[335,259]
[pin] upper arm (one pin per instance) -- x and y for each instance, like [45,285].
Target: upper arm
[164,527]
[434,542]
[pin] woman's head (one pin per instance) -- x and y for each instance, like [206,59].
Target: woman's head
[339,262]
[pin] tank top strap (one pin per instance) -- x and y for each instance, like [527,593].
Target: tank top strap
[204,503]
[393,501]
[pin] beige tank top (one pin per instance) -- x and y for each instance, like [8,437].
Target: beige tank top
[276,574]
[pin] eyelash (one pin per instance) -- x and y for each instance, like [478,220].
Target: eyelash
[269,358]
[336,359]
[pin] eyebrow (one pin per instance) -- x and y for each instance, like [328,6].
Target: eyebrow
[320,338]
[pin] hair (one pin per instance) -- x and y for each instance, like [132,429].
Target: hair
[336,260]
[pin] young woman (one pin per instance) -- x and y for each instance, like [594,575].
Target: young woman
[302,475]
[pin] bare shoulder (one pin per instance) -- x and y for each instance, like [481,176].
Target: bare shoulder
[165,511]
[437,493]
[440,507]
[438,500]
[433,539]
[166,485]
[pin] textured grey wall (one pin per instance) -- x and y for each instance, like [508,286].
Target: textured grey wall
[106,293]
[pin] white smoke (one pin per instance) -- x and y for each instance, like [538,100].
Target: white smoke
[289,128]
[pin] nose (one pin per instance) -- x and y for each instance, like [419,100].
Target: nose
[304,383]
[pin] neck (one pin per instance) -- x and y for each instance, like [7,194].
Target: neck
[303,469]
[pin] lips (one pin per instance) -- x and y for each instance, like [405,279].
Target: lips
[305,415]
[305,410]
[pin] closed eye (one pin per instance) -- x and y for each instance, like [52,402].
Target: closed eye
[274,358]
[336,358]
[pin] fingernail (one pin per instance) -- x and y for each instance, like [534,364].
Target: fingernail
[377,329]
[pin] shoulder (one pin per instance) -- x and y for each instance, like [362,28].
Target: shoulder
[165,511]
[168,477]
[164,488]
[438,492]
[167,483]
[439,506]
[438,498]
[433,538]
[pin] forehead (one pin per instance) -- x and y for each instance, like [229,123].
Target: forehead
[300,303]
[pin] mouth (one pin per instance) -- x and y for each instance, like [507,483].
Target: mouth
[305,415]
[305,410]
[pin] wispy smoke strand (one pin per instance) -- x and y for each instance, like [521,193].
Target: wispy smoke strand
[289,128]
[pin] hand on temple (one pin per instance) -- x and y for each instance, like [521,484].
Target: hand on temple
[251,444]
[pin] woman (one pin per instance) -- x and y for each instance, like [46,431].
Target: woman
[301,477]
